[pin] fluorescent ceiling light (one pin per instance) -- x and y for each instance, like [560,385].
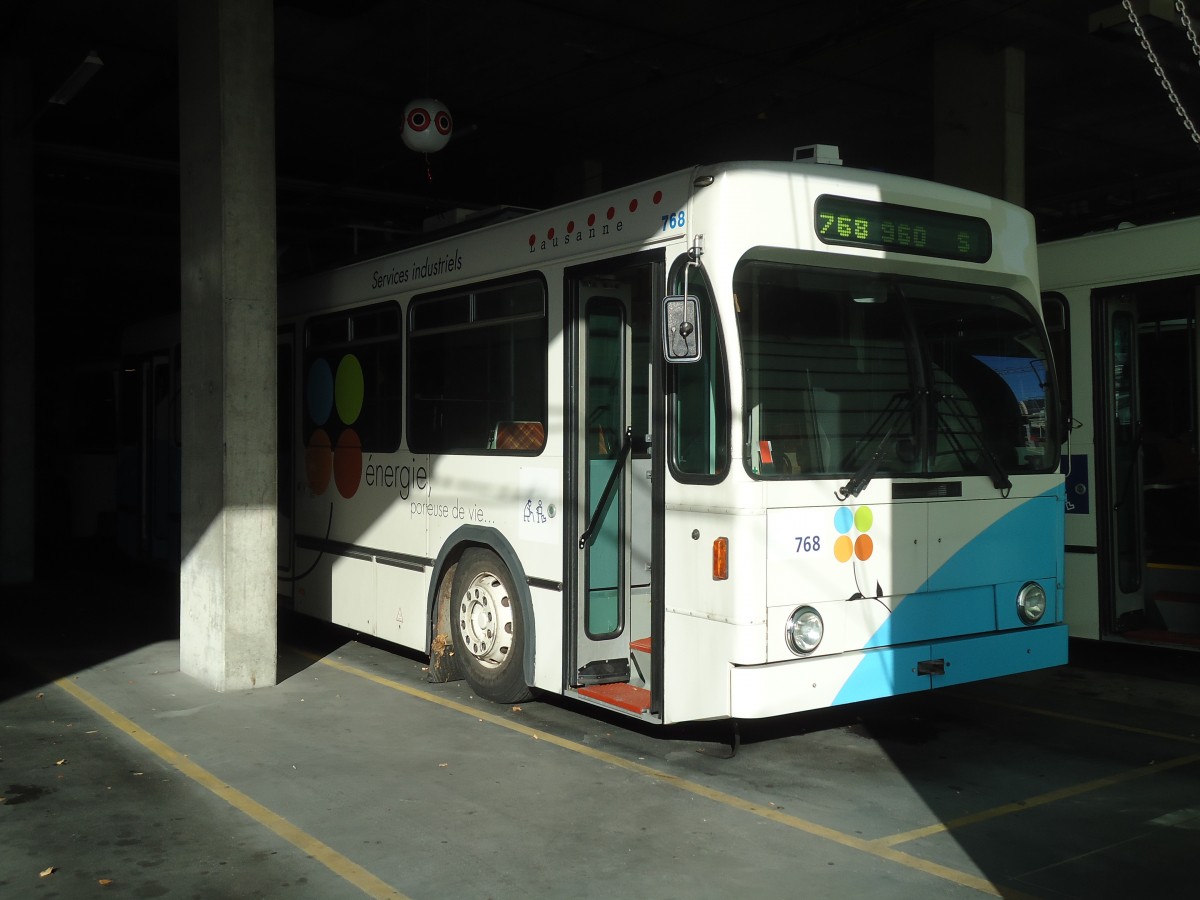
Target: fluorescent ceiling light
[90,66]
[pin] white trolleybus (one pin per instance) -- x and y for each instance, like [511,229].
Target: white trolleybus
[740,441]
[1125,304]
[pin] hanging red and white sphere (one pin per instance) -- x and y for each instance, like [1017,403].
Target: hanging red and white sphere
[427,125]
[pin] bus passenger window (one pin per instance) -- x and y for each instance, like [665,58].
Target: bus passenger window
[1058,327]
[477,370]
[352,379]
[700,399]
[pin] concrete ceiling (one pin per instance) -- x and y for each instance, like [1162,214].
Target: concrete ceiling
[541,92]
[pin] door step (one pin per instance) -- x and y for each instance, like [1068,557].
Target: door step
[1180,611]
[624,696]
[640,646]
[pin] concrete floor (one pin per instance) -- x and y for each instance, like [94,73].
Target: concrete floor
[354,776]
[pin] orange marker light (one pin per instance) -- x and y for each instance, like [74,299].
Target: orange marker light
[721,559]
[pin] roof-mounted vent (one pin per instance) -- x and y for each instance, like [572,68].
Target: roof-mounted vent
[817,153]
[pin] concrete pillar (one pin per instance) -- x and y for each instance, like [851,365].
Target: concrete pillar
[17,324]
[228,613]
[979,119]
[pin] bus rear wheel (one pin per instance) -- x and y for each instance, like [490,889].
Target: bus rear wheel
[487,625]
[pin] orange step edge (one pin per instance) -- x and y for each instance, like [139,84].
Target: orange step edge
[622,695]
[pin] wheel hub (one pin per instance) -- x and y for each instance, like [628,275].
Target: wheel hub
[485,620]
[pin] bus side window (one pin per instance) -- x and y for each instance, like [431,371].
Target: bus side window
[352,375]
[1058,328]
[699,400]
[477,369]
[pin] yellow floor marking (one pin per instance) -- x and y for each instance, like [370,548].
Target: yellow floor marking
[302,840]
[1085,720]
[1039,800]
[874,848]
[1061,793]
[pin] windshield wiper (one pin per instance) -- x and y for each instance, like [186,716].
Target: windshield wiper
[888,418]
[861,478]
[1000,480]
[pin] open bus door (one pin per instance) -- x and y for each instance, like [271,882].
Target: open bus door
[1122,532]
[610,594]
[1149,533]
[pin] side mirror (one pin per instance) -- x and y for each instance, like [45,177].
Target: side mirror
[681,329]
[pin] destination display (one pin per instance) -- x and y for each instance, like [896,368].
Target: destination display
[907,229]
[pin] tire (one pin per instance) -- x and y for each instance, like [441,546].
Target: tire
[487,625]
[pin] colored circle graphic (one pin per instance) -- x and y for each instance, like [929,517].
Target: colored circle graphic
[843,548]
[318,462]
[863,547]
[348,389]
[863,518]
[320,391]
[843,519]
[347,463]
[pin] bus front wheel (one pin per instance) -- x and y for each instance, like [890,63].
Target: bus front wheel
[487,625]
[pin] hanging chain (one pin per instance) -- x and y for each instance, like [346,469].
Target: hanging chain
[1158,69]
[1187,25]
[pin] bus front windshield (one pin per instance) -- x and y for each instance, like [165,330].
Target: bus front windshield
[850,372]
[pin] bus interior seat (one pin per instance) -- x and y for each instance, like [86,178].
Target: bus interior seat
[517,435]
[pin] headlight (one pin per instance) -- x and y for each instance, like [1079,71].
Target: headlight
[804,630]
[1031,603]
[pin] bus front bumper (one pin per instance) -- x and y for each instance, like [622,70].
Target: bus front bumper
[820,681]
